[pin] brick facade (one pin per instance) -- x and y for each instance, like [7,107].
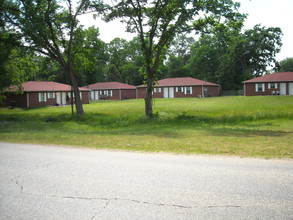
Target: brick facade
[197,91]
[282,88]
[113,94]
[31,99]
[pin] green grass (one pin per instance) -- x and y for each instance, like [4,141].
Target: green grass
[241,126]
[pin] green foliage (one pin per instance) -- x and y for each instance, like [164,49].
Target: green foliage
[157,23]
[286,65]
[230,57]
[124,61]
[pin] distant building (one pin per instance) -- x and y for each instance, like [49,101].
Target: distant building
[37,94]
[280,83]
[111,91]
[181,87]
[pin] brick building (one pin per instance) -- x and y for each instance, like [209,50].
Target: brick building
[280,83]
[181,87]
[37,94]
[111,91]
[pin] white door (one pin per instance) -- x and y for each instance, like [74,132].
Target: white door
[290,88]
[283,90]
[58,98]
[96,95]
[92,95]
[63,98]
[171,92]
[166,92]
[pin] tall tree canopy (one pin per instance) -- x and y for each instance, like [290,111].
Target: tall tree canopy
[50,28]
[158,21]
[285,65]
[230,57]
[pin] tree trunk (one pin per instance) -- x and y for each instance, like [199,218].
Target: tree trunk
[149,100]
[78,102]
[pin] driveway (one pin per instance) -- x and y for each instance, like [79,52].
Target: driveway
[45,182]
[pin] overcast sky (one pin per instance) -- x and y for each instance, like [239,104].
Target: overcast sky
[268,13]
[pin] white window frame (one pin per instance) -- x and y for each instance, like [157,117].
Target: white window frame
[51,95]
[179,89]
[156,90]
[258,86]
[188,90]
[42,97]
[275,85]
[109,93]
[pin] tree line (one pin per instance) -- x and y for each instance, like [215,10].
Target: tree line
[44,40]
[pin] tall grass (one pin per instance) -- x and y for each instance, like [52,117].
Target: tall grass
[243,126]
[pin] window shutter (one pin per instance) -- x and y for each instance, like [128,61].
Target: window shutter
[190,89]
[40,98]
[45,96]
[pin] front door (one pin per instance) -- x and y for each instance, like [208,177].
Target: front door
[290,88]
[96,95]
[171,92]
[63,98]
[166,92]
[283,90]
[58,98]
[92,95]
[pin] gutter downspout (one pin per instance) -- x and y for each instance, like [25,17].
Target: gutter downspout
[27,100]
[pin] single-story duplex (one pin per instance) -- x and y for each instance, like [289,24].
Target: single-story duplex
[280,83]
[37,93]
[181,87]
[111,90]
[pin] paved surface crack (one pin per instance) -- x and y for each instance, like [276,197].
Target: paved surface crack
[30,170]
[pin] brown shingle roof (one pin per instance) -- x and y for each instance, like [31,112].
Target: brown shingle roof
[109,85]
[182,81]
[40,86]
[274,77]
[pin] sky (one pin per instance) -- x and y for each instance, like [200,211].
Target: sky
[268,13]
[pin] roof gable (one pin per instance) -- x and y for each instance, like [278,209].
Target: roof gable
[274,77]
[110,85]
[182,81]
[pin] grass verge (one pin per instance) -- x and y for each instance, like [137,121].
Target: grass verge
[240,126]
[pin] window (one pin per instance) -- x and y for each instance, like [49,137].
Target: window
[106,93]
[157,90]
[273,85]
[51,95]
[109,93]
[188,90]
[259,87]
[179,89]
[42,97]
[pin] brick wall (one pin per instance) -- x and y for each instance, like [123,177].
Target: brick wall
[250,90]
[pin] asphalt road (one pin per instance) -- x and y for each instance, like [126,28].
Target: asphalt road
[43,182]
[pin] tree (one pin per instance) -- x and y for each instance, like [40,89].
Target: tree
[178,57]
[230,56]
[124,61]
[16,64]
[49,28]
[286,65]
[158,21]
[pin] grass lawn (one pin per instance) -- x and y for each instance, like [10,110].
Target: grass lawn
[241,126]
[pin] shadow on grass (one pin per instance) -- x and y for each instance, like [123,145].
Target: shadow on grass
[241,132]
